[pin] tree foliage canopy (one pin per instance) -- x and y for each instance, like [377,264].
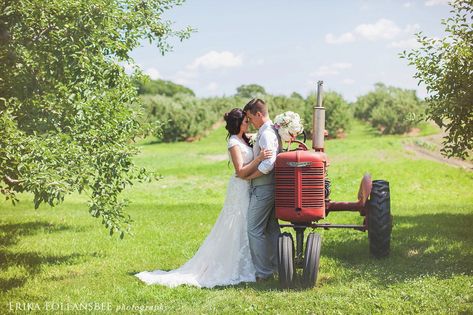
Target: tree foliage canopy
[161,87]
[390,109]
[68,112]
[445,66]
[250,91]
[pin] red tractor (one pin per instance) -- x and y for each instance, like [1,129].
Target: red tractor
[303,198]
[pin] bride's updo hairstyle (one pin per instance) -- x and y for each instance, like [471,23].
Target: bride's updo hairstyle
[234,119]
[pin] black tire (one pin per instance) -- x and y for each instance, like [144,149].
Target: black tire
[286,260]
[379,219]
[311,260]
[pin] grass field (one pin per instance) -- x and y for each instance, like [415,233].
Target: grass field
[62,255]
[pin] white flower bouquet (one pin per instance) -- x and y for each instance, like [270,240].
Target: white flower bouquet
[289,125]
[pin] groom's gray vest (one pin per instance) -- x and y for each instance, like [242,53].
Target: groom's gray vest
[265,179]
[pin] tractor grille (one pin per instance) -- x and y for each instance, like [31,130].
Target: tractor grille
[312,181]
[313,171]
[285,171]
[285,189]
[300,187]
[312,197]
[285,197]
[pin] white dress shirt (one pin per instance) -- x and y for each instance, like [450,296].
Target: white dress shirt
[266,139]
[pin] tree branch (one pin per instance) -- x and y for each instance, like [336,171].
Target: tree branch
[10,181]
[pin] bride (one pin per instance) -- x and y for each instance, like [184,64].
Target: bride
[224,257]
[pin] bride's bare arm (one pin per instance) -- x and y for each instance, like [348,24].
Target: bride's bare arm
[254,174]
[237,159]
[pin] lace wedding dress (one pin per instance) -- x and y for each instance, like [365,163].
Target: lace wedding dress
[224,257]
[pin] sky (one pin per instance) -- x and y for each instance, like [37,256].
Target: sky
[287,46]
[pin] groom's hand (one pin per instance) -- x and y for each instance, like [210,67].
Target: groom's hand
[264,155]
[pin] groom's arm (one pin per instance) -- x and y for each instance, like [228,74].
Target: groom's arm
[268,141]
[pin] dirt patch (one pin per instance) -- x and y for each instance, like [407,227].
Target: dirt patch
[413,132]
[438,157]
[429,148]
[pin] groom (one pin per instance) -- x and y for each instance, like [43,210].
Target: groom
[263,227]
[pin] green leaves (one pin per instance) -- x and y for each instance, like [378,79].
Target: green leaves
[250,91]
[147,86]
[445,66]
[68,111]
[389,109]
[185,117]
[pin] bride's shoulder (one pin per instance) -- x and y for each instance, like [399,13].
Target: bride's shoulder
[232,141]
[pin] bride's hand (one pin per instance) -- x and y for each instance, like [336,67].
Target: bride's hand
[264,154]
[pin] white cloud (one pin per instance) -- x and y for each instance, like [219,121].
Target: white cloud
[184,77]
[181,81]
[430,3]
[325,70]
[333,69]
[215,60]
[153,73]
[366,6]
[348,81]
[382,29]
[212,87]
[409,41]
[405,43]
[407,5]
[342,65]
[411,28]
[342,39]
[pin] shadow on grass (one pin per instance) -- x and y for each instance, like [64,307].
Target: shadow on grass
[12,232]
[438,245]
[30,261]
[424,245]
[152,142]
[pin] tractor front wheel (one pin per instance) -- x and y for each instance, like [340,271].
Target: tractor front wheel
[379,219]
[311,260]
[286,260]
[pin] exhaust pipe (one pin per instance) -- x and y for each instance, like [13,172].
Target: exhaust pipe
[318,121]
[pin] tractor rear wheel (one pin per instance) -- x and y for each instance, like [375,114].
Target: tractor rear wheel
[379,219]
[311,260]
[286,260]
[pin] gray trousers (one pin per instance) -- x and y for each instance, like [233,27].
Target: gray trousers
[263,230]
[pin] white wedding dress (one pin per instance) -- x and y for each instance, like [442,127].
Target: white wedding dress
[224,257]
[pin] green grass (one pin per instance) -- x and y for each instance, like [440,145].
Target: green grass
[63,255]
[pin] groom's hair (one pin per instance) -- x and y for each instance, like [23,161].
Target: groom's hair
[256,105]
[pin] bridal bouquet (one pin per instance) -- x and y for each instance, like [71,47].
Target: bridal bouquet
[288,125]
